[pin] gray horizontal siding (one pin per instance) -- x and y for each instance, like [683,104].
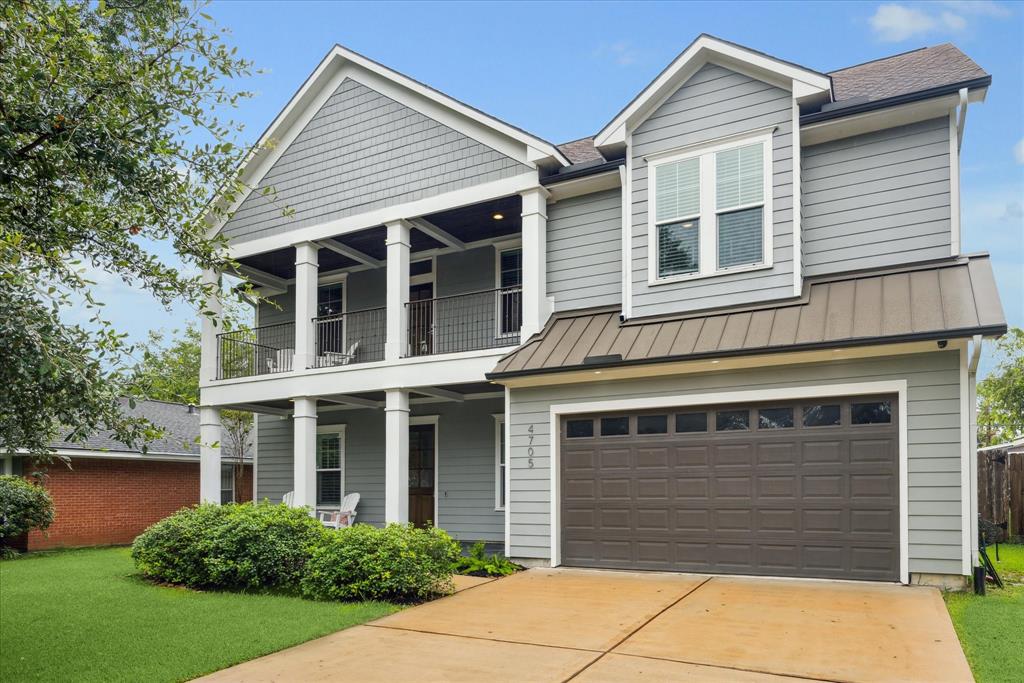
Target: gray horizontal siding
[362,151]
[933,424]
[713,103]
[877,199]
[584,251]
[466,464]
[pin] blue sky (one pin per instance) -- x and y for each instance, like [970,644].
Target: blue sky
[563,70]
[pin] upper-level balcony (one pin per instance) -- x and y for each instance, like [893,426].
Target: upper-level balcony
[459,281]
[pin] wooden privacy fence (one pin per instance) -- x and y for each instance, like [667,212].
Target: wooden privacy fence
[1001,487]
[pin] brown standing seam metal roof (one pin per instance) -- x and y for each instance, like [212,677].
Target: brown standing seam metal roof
[936,300]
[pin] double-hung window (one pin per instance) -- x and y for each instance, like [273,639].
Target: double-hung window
[330,463]
[500,462]
[227,484]
[710,209]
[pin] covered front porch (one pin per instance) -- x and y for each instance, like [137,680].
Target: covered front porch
[426,455]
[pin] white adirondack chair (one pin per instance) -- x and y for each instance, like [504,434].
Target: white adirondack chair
[289,498]
[343,517]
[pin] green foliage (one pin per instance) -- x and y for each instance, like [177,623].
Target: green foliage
[111,145]
[478,563]
[1001,393]
[23,506]
[241,546]
[398,563]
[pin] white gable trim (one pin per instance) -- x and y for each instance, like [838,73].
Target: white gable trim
[801,82]
[341,63]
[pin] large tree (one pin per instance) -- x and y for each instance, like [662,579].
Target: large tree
[111,141]
[1001,393]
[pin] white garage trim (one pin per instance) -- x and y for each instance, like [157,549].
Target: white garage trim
[898,387]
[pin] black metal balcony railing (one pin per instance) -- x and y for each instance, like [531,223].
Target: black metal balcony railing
[465,322]
[256,351]
[354,337]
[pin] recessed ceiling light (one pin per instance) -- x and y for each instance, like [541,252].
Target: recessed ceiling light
[497,216]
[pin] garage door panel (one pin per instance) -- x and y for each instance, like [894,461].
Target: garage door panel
[778,498]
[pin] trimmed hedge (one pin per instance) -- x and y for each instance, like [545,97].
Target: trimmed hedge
[23,506]
[244,546]
[398,563]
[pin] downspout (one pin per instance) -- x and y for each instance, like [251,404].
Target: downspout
[972,399]
[961,119]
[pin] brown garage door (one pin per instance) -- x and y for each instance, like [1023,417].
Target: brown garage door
[789,489]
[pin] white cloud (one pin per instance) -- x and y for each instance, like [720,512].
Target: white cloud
[1018,151]
[894,23]
[621,52]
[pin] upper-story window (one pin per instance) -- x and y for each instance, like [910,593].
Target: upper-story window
[510,296]
[710,209]
[330,299]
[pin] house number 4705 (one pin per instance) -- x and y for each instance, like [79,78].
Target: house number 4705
[529,448]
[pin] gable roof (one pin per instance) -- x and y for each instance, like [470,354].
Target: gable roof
[313,88]
[953,298]
[696,54]
[581,151]
[181,427]
[902,74]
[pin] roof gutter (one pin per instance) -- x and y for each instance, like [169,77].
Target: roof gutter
[596,169]
[952,88]
[940,335]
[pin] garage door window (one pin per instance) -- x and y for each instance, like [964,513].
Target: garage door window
[691,422]
[579,429]
[652,424]
[614,426]
[821,416]
[876,412]
[732,420]
[775,418]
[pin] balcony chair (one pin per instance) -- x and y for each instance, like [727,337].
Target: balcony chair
[344,516]
[337,358]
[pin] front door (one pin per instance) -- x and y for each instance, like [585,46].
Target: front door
[421,319]
[421,474]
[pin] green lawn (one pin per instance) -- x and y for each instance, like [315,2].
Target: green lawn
[991,628]
[85,615]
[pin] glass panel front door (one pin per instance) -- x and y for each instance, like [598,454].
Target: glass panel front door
[422,459]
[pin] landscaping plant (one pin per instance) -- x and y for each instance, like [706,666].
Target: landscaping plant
[239,546]
[23,506]
[398,563]
[478,563]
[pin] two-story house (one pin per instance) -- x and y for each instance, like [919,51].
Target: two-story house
[732,332]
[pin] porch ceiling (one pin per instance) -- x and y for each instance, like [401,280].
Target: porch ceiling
[468,389]
[467,223]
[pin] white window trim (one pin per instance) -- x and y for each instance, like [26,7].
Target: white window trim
[708,266]
[499,466]
[340,431]
[499,249]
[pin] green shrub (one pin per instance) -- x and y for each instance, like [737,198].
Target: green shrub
[478,563]
[230,546]
[398,563]
[23,506]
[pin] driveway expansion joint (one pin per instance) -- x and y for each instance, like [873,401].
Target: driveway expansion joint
[638,628]
[493,640]
[733,668]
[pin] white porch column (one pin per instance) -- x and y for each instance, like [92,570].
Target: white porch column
[396,456]
[306,273]
[209,329]
[536,307]
[304,426]
[209,454]
[398,290]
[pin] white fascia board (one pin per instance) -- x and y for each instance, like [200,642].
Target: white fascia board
[420,207]
[880,119]
[576,187]
[118,455]
[701,51]
[455,368]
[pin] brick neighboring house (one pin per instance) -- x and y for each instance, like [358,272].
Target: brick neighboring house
[111,493]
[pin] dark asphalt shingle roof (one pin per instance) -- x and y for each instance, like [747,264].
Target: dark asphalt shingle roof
[902,74]
[953,298]
[181,426]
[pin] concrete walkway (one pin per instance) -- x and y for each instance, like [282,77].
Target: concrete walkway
[582,625]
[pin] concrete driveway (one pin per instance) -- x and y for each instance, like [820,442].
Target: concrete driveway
[558,624]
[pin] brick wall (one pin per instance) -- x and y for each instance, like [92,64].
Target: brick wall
[109,501]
